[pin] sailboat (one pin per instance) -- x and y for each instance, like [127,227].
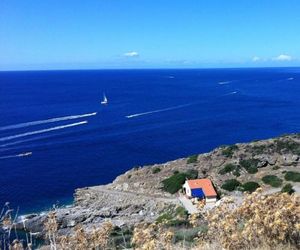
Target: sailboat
[105,101]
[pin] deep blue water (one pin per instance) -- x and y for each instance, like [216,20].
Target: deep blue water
[194,113]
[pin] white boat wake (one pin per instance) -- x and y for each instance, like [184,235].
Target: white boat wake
[224,82]
[7,138]
[158,110]
[58,119]
[15,156]
[231,93]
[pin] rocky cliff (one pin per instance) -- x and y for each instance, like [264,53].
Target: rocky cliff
[138,194]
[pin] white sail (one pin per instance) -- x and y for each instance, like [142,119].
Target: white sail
[105,101]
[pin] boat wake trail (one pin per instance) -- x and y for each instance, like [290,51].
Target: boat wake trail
[58,119]
[15,156]
[7,138]
[231,93]
[224,82]
[158,110]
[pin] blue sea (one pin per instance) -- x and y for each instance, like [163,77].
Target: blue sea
[55,136]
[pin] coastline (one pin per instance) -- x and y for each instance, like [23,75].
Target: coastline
[137,195]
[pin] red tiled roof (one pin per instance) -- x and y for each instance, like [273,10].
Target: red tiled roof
[205,184]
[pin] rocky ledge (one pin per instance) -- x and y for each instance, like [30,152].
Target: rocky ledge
[137,195]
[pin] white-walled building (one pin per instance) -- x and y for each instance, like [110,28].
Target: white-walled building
[201,189]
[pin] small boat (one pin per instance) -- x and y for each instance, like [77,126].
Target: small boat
[105,101]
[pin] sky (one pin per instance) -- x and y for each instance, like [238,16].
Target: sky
[96,34]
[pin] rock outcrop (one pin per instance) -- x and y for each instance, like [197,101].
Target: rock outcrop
[137,195]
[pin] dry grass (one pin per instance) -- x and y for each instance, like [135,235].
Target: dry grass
[262,222]
[269,221]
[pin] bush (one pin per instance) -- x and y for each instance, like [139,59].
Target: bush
[228,151]
[261,222]
[287,146]
[164,217]
[156,170]
[292,176]
[250,165]
[272,180]
[192,159]
[236,172]
[189,234]
[250,186]
[227,169]
[288,188]
[175,182]
[231,184]
[191,174]
[181,212]
[258,149]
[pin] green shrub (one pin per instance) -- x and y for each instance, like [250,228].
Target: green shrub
[191,174]
[176,172]
[258,149]
[189,234]
[164,217]
[292,176]
[250,165]
[121,237]
[227,168]
[275,167]
[156,170]
[231,184]
[236,172]
[288,188]
[175,182]
[272,180]
[287,146]
[171,218]
[181,212]
[228,151]
[192,159]
[250,186]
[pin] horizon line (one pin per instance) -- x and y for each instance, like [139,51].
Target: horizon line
[123,69]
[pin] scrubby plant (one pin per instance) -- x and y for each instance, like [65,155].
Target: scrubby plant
[292,176]
[228,168]
[250,165]
[236,172]
[272,180]
[229,150]
[288,188]
[192,159]
[9,238]
[97,238]
[258,149]
[262,220]
[288,146]
[156,170]
[121,238]
[250,186]
[189,234]
[152,236]
[231,185]
[174,183]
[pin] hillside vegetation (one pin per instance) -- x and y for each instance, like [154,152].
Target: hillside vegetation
[140,209]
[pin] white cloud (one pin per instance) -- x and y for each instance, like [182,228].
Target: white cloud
[131,54]
[282,58]
[255,59]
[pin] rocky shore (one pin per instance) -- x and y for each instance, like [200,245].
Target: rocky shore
[137,195]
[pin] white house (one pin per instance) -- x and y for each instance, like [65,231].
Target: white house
[201,189]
